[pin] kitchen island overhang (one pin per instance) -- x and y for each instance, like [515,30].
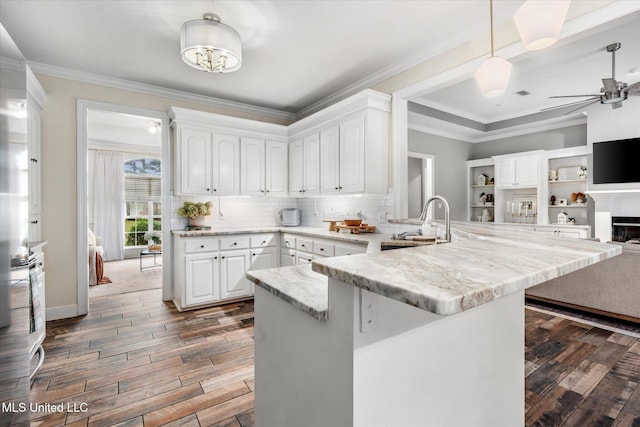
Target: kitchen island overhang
[421,336]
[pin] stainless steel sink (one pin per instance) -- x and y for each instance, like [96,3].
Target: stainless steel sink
[402,244]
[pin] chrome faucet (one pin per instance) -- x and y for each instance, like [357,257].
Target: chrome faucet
[447,222]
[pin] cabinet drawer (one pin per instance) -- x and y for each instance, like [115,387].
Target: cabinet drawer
[201,245]
[234,242]
[349,250]
[288,241]
[264,240]
[324,249]
[304,245]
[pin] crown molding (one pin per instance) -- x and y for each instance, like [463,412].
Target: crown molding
[525,129]
[11,64]
[97,79]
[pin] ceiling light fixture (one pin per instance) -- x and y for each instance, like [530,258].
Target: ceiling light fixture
[539,22]
[153,127]
[209,45]
[493,74]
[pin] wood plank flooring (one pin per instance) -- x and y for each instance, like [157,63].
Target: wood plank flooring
[137,361]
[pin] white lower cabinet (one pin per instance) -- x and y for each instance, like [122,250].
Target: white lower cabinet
[211,270]
[202,278]
[233,268]
[287,258]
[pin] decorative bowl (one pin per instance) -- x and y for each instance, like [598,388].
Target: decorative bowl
[352,222]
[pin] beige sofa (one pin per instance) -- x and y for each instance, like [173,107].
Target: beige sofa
[609,287]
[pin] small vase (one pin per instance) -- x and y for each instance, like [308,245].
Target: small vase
[197,221]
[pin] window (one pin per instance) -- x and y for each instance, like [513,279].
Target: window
[143,207]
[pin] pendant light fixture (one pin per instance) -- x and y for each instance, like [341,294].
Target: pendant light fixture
[209,45]
[539,22]
[493,74]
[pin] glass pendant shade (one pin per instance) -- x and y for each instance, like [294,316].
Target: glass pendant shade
[539,22]
[208,45]
[493,76]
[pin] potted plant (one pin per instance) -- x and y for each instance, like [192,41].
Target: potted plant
[195,212]
[154,240]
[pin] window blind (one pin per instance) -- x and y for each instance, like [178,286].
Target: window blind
[142,188]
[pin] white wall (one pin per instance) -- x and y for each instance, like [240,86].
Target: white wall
[606,124]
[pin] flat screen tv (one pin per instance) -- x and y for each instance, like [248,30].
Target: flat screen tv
[616,162]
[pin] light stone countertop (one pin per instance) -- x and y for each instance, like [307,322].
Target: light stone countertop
[298,285]
[481,264]
[362,238]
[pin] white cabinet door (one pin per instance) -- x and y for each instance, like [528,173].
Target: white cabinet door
[505,173]
[287,258]
[527,172]
[352,156]
[311,164]
[295,168]
[234,266]
[195,161]
[330,160]
[264,258]
[202,275]
[226,165]
[303,258]
[252,156]
[35,161]
[276,168]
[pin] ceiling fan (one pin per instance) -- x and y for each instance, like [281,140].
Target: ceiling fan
[613,92]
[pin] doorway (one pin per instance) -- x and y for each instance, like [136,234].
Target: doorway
[134,141]
[420,182]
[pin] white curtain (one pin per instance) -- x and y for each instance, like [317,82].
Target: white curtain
[107,199]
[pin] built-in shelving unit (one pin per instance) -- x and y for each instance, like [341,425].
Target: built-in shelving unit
[564,180]
[476,207]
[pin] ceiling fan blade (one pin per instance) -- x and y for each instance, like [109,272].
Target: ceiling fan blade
[616,105]
[581,107]
[570,104]
[574,96]
[634,89]
[610,85]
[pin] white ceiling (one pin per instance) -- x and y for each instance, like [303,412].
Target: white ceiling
[298,54]
[570,67]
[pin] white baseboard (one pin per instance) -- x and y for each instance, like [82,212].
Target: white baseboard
[62,312]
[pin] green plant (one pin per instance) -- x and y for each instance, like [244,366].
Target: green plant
[193,210]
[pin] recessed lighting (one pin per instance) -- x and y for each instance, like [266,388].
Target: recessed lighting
[635,70]
[523,93]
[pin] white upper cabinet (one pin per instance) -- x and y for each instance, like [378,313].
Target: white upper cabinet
[276,160]
[209,163]
[352,136]
[352,156]
[264,167]
[304,166]
[252,154]
[296,184]
[517,172]
[311,164]
[195,152]
[226,165]
[330,160]
[221,156]
[342,157]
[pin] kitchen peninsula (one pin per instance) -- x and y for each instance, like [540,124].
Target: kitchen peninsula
[430,335]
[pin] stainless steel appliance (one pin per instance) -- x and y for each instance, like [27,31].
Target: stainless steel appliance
[291,217]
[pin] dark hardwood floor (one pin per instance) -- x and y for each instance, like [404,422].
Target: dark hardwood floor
[137,361]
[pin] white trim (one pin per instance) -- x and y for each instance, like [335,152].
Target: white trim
[81,176]
[534,127]
[97,79]
[62,312]
[35,89]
